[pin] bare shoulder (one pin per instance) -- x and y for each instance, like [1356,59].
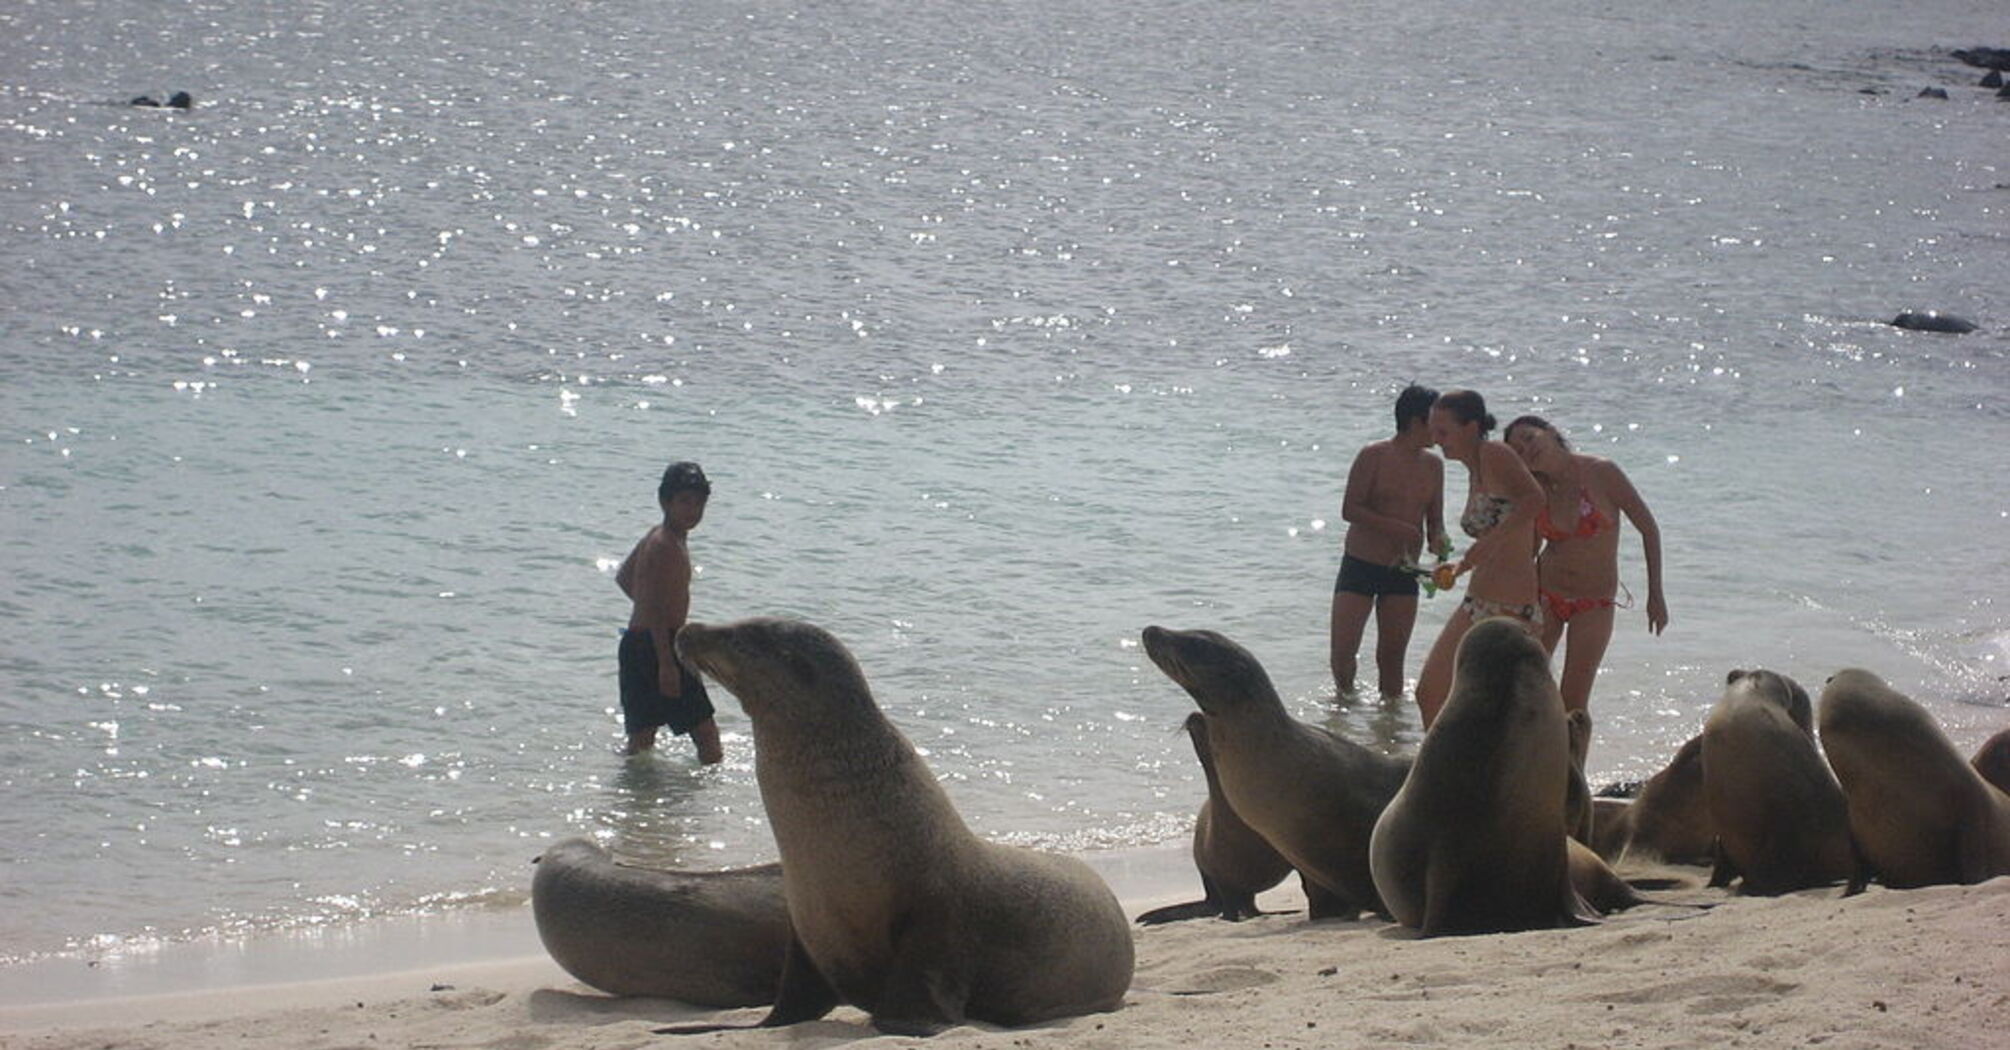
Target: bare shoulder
[1605,472]
[1372,451]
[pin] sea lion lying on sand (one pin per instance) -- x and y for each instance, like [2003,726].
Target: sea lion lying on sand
[713,938]
[1311,794]
[1235,862]
[896,907]
[1667,819]
[1920,815]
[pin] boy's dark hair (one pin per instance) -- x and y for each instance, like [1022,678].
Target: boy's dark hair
[1414,403]
[679,477]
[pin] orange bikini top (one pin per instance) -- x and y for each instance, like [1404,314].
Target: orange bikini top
[1590,521]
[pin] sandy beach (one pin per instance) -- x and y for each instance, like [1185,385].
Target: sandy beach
[1916,968]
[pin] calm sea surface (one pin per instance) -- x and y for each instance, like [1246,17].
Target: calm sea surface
[1003,329]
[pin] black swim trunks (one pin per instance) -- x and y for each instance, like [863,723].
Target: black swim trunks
[642,702]
[1366,577]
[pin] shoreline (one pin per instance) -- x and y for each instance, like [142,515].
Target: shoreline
[1914,968]
[1142,877]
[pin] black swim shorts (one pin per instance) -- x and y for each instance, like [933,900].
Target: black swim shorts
[1366,577]
[642,702]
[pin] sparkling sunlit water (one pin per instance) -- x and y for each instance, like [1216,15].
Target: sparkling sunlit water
[1003,330]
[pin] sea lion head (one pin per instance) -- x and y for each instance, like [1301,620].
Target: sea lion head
[1779,689]
[1495,655]
[774,665]
[1220,675]
[1857,703]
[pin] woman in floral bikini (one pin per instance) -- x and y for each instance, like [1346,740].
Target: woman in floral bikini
[1579,566]
[1501,503]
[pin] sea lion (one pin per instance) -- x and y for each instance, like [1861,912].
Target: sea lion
[896,907]
[1475,842]
[1780,818]
[713,938]
[1920,815]
[1992,760]
[1579,814]
[1311,794]
[1235,862]
[1667,819]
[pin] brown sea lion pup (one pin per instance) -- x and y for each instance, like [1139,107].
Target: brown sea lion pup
[1235,862]
[712,938]
[1667,819]
[1781,821]
[1475,841]
[1921,816]
[896,906]
[1311,794]
[1992,760]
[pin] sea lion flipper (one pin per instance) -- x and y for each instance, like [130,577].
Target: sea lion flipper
[804,994]
[1722,871]
[1182,912]
[1324,903]
[923,992]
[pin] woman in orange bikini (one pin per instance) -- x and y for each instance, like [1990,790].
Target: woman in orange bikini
[1501,503]
[1579,565]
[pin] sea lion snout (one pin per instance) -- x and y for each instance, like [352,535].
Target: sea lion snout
[1215,671]
[696,644]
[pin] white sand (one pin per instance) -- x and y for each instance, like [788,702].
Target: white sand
[1919,968]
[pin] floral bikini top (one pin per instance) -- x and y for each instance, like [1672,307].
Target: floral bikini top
[1590,521]
[1484,510]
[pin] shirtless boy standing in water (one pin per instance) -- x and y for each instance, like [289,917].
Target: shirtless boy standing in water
[656,689]
[1394,503]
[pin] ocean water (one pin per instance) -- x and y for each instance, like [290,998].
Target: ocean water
[1003,330]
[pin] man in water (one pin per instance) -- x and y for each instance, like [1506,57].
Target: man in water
[1395,502]
[656,688]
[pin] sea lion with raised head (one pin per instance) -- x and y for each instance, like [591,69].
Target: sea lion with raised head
[1311,794]
[1920,814]
[896,906]
[1235,863]
[1475,841]
[711,938]
[1780,818]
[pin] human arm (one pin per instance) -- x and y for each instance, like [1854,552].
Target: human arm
[1627,499]
[1434,513]
[624,577]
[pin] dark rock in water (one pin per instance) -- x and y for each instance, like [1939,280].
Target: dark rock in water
[1870,91]
[1992,79]
[1931,93]
[144,100]
[1932,321]
[1985,57]
[181,100]
[178,100]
